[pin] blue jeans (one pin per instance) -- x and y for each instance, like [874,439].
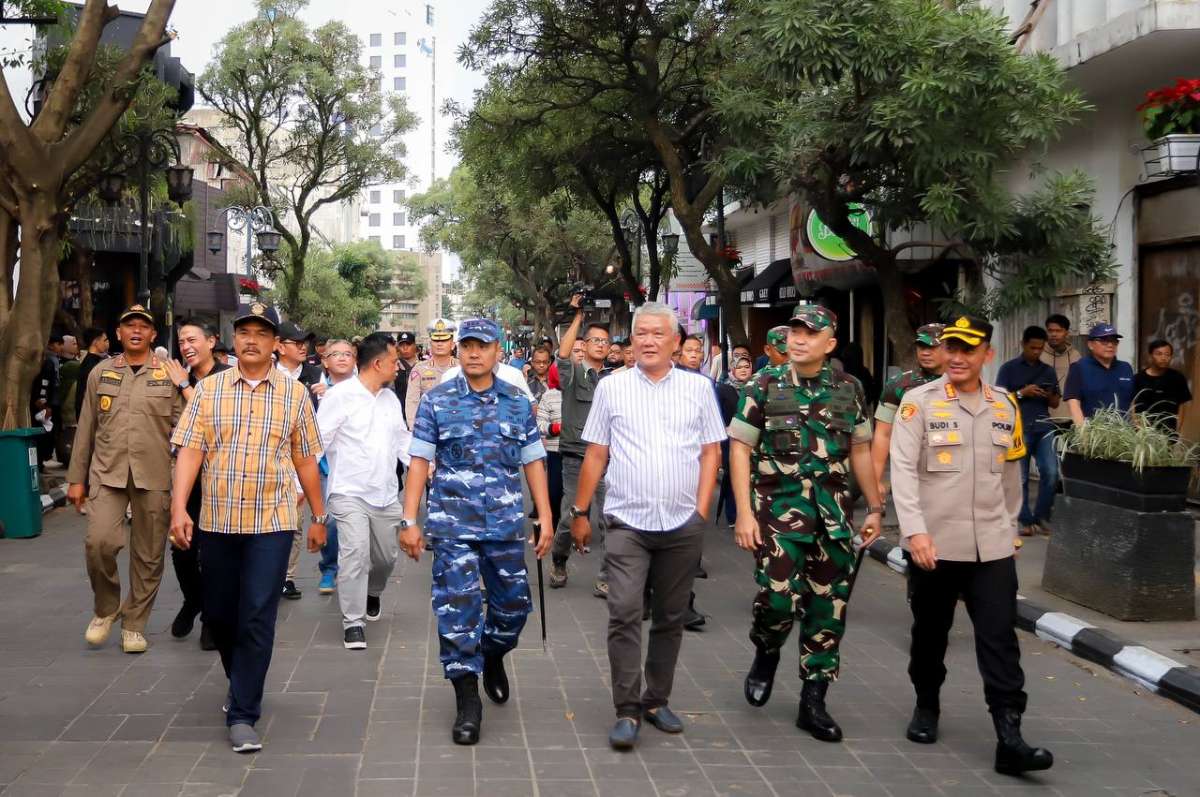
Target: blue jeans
[1039,446]
[329,554]
[242,574]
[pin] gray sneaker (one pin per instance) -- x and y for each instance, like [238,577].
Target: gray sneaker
[600,590]
[244,738]
[558,574]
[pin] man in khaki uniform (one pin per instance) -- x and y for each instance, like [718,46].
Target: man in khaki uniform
[955,440]
[427,375]
[122,458]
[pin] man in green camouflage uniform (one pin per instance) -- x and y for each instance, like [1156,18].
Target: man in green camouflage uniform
[931,361]
[776,348]
[800,429]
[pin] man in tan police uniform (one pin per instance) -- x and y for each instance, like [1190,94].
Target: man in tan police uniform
[122,458]
[956,440]
[427,375]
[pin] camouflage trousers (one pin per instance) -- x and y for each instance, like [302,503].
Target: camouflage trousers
[805,582]
[465,633]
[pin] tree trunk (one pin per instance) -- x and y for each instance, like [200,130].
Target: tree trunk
[24,338]
[895,313]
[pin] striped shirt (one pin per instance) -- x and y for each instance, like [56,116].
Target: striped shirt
[249,436]
[654,431]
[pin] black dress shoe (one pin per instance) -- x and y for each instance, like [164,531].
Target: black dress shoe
[761,678]
[923,728]
[664,719]
[206,638]
[495,679]
[692,619]
[1013,755]
[374,609]
[624,734]
[813,716]
[469,716]
[290,592]
[183,623]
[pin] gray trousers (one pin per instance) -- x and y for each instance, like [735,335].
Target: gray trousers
[367,551]
[561,548]
[666,560]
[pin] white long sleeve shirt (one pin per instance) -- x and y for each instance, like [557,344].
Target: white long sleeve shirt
[364,434]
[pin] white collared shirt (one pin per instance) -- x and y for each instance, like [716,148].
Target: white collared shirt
[364,434]
[654,431]
[502,371]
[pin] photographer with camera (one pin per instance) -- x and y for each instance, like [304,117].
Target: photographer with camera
[578,383]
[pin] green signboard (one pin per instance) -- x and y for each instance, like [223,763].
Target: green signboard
[826,243]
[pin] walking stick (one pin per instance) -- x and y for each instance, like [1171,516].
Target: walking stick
[862,552]
[537,537]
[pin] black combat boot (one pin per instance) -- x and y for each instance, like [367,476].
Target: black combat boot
[761,677]
[495,679]
[923,728]
[470,710]
[813,716]
[1013,755]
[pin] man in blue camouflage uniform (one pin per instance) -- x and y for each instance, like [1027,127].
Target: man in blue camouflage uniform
[481,432]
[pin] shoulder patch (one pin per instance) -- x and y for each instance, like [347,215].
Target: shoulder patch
[907,411]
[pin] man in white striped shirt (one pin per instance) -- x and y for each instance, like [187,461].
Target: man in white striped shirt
[658,430]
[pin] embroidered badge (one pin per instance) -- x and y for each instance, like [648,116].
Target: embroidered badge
[945,457]
[105,403]
[953,437]
[907,411]
[159,373]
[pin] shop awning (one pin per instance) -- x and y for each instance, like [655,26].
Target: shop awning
[764,288]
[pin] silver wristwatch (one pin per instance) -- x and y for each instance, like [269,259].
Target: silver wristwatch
[323,519]
[405,523]
[577,512]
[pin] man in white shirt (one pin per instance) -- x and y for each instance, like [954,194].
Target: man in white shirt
[363,429]
[657,429]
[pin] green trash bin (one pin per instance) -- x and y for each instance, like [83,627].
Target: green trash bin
[20,490]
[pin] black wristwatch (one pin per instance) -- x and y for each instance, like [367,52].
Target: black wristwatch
[577,512]
[182,386]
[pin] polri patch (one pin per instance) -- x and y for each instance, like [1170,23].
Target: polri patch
[907,411]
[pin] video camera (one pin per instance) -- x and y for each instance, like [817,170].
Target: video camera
[587,292]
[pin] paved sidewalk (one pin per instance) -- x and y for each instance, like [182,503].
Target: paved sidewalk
[100,723]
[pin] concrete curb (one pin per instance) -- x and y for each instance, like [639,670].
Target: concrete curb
[1153,671]
[56,496]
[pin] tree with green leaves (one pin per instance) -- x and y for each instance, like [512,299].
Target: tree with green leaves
[916,109]
[311,125]
[348,287]
[40,179]
[519,252]
[644,68]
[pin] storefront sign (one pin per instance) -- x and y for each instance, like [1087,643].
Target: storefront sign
[828,244]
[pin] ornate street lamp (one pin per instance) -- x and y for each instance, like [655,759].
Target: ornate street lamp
[142,153]
[670,243]
[259,220]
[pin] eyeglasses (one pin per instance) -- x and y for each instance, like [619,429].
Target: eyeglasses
[338,355]
[596,340]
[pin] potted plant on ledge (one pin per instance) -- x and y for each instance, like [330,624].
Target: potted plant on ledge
[1171,119]
[1123,541]
[1131,462]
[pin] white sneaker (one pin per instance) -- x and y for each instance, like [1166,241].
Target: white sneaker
[133,642]
[98,630]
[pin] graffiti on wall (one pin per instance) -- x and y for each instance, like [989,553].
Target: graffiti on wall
[1177,326]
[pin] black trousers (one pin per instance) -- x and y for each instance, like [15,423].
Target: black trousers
[187,565]
[989,590]
[242,574]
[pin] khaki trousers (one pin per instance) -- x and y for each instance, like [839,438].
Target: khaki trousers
[106,536]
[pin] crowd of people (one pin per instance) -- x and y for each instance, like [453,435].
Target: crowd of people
[624,447]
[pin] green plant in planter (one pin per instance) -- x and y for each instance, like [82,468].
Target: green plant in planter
[1122,437]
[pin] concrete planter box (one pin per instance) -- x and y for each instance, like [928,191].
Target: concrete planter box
[1116,483]
[1129,564]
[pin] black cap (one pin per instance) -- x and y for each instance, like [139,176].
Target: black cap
[257,311]
[288,330]
[133,311]
[971,330]
[406,337]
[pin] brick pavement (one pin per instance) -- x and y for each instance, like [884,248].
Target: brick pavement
[101,723]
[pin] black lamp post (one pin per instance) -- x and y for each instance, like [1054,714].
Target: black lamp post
[258,220]
[141,153]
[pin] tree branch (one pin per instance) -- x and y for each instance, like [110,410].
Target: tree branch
[52,121]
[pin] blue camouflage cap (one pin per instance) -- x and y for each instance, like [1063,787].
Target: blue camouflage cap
[484,329]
